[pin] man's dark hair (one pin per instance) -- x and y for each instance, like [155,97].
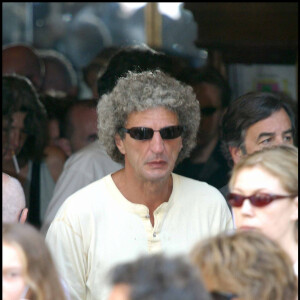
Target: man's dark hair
[212,76]
[159,278]
[19,95]
[55,105]
[247,110]
[99,63]
[67,127]
[135,59]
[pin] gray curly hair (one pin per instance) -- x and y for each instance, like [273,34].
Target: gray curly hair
[142,91]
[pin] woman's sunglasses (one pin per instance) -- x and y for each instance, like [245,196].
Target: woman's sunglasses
[145,133]
[258,200]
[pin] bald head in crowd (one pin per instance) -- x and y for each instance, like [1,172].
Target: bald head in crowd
[23,60]
[13,200]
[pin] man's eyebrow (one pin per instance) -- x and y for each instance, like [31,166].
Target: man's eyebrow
[265,134]
[288,131]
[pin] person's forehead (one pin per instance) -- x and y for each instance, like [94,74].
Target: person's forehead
[256,178]
[11,254]
[83,113]
[276,123]
[156,114]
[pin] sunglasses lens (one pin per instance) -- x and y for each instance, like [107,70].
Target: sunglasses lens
[261,200]
[208,111]
[171,132]
[144,133]
[235,200]
[141,133]
[222,296]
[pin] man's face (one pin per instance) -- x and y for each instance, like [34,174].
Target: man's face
[22,61]
[84,122]
[154,159]
[274,130]
[209,98]
[13,137]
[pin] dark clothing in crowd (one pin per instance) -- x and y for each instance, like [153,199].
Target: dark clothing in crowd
[215,171]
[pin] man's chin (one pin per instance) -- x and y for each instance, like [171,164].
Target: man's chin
[157,175]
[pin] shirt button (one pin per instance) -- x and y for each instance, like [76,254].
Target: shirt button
[154,234]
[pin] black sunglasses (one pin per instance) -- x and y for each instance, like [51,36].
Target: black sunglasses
[258,200]
[145,133]
[222,296]
[208,111]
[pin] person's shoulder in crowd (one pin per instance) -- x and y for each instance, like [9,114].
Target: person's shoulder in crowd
[55,160]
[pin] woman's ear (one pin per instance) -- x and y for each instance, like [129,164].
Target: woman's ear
[119,143]
[294,215]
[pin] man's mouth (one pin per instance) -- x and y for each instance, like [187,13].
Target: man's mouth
[247,227]
[157,163]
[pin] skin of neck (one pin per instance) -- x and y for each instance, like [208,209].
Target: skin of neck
[149,193]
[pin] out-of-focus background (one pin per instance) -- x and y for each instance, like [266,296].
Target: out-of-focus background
[253,44]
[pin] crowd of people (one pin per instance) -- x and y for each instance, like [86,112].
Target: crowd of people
[143,180]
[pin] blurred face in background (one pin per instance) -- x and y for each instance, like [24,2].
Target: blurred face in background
[13,279]
[13,135]
[84,123]
[209,98]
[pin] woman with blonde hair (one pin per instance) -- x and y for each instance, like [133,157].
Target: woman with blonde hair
[245,265]
[264,196]
[28,271]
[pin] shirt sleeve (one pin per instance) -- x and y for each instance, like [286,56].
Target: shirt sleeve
[65,241]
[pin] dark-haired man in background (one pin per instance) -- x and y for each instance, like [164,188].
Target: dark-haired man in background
[206,161]
[254,121]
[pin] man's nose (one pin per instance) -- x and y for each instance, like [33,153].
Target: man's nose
[157,143]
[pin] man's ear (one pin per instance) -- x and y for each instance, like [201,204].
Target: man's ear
[236,154]
[23,216]
[119,143]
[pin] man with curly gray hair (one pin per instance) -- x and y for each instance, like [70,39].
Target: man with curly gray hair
[149,122]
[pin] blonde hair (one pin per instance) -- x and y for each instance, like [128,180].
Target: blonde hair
[247,264]
[280,161]
[40,273]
